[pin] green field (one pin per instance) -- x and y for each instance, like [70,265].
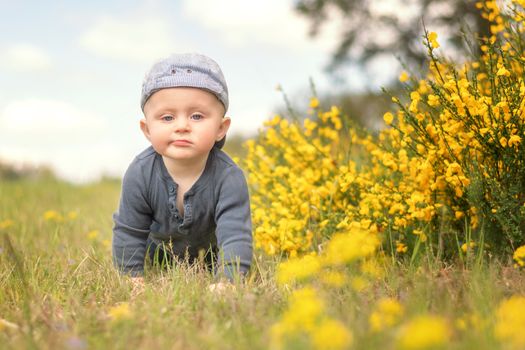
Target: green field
[58,289]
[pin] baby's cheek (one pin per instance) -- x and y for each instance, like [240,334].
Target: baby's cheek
[158,145]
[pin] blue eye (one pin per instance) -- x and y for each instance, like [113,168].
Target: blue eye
[196,116]
[167,118]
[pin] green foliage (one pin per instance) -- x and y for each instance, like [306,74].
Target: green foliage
[370,29]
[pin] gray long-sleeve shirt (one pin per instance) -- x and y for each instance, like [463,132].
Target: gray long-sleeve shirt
[216,213]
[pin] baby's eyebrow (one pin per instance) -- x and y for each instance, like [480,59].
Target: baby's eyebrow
[198,106]
[192,108]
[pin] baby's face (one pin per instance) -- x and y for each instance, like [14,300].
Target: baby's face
[184,123]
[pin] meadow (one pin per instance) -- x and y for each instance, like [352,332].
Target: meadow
[60,291]
[410,238]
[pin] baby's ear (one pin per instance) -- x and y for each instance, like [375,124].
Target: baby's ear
[225,125]
[144,128]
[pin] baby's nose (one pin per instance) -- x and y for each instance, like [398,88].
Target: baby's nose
[182,125]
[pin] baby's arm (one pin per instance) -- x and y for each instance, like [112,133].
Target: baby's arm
[132,223]
[234,227]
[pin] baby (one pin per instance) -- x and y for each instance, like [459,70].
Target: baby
[183,197]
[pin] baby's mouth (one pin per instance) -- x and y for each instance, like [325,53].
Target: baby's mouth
[181,142]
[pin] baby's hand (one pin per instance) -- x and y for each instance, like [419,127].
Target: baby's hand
[137,285]
[221,287]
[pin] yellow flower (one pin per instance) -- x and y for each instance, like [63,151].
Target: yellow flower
[510,322]
[372,268]
[6,224]
[503,72]
[519,255]
[401,247]
[432,38]
[119,312]
[388,118]
[503,141]
[297,269]
[314,102]
[422,236]
[514,140]
[72,215]
[106,243]
[304,309]
[52,215]
[387,313]
[403,77]
[424,332]
[333,278]
[433,100]
[359,283]
[468,246]
[331,334]
[93,234]
[349,247]
[309,126]
[483,131]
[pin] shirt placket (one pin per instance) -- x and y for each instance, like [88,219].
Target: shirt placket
[172,203]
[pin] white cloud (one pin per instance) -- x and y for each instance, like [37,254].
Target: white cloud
[273,23]
[25,57]
[136,39]
[56,134]
[49,118]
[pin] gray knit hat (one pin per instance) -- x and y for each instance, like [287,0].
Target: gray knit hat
[185,70]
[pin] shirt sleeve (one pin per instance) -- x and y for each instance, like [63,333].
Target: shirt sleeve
[234,226]
[132,224]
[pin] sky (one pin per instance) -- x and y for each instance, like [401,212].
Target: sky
[71,71]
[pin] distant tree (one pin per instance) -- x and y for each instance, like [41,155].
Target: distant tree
[13,172]
[372,28]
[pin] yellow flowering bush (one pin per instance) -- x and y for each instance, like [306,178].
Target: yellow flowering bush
[292,173]
[449,168]
[461,130]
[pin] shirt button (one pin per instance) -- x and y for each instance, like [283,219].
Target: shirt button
[171,189]
[171,206]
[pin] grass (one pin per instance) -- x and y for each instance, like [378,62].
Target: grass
[58,289]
